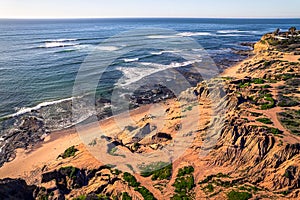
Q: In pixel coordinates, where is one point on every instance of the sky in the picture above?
(149, 8)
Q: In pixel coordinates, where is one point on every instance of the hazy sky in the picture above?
(149, 8)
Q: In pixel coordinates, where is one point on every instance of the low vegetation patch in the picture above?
(209, 188)
(290, 119)
(286, 101)
(244, 85)
(272, 130)
(270, 104)
(255, 114)
(266, 86)
(69, 171)
(125, 196)
(185, 171)
(69, 152)
(264, 120)
(113, 152)
(211, 177)
(234, 195)
(131, 181)
(258, 81)
(147, 195)
(158, 171)
(249, 188)
(184, 184)
(81, 197)
(284, 77)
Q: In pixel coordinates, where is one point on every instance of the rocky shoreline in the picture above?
(256, 155)
(28, 129)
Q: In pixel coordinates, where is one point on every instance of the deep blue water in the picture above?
(39, 59)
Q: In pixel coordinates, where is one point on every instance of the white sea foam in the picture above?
(162, 52)
(157, 53)
(228, 31)
(58, 44)
(133, 74)
(233, 35)
(107, 48)
(161, 36)
(239, 31)
(190, 34)
(39, 106)
(183, 34)
(131, 59)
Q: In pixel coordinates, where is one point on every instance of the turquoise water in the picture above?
(40, 58)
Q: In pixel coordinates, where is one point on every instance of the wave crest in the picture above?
(39, 106)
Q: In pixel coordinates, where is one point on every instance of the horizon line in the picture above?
(133, 17)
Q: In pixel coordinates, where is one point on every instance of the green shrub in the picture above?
(130, 179)
(264, 120)
(275, 131)
(269, 105)
(130, 167)
(249, 188)
(286, 101)
(255, 114)
(207, 179)
(234, 195)
(184, 184)
(221, 175)
(243, 85)
(189, 108)
(285, 192)
(267, 63)
(225, 184)
(209, 188)
(69, 152)
(125, 196)
(145, 193)
(266, 86)
(164, 173)
(99, 197)
(113, 151)
(158, 171)
(243, 188)
(69, 171)
(290, 120)
(258, 81)
(185, 171)
(81, 197)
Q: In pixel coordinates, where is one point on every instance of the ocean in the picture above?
(40, 58)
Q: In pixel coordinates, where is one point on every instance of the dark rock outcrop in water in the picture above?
(30, 130)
